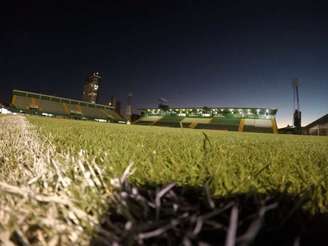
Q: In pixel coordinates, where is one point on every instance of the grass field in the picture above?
(57, 175)
(233, 162)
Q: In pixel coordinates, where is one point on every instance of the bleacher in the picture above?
(29, 102)
(228, 123)
(192, 122)
(51, 107)
(216, 118)
(148, 120)
(260, 125)
(169, 121)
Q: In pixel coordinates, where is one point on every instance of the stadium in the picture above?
(215, 118)
(90, 158)
(46, 105)
(155, 123)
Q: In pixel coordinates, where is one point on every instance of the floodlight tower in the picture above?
(129, 107)
(297, 111)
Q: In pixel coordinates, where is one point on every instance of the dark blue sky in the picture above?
(194, 53)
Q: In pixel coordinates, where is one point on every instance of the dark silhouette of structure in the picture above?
(112, 101)
(129, 107)
(116, 104)
(297, 112)
(163, 104)
(318, 127)
(118, 107)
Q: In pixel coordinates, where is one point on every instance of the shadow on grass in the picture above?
(170, 215)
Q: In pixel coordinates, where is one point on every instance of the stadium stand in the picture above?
(216, 118)
(52, 107)
(169, 121)
(318, 127)
(190, 122)
(149, 120)
(35, 103)
(254, 125)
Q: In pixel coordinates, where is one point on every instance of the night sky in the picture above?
(193, 53)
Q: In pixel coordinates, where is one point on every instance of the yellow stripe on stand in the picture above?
(65, 108)
(13, 100)
(154, 122)
(274, 126)
(193, 124)
(35, 103)
(78, 108)
(241, 125)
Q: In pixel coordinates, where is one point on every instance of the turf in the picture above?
(230, 162)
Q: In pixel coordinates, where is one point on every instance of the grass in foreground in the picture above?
(56, 184)
(230, 162)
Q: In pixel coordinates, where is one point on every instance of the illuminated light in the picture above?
(101, 120)
(231, 110)
(44, 114)
(267, 110)
(257, 110)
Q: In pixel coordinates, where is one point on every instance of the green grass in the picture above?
(231, 162)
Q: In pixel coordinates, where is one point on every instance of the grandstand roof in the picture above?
(62, 99)
(320, 121)
(272, 111)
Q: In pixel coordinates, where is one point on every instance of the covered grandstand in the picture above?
(35, 103)
(216, 118)
(318, 127)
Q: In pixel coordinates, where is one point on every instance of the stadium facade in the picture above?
(318, 127)
(216, 118)
(40, 104)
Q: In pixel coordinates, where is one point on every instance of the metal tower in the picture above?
(129, 107)
(297, 112)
